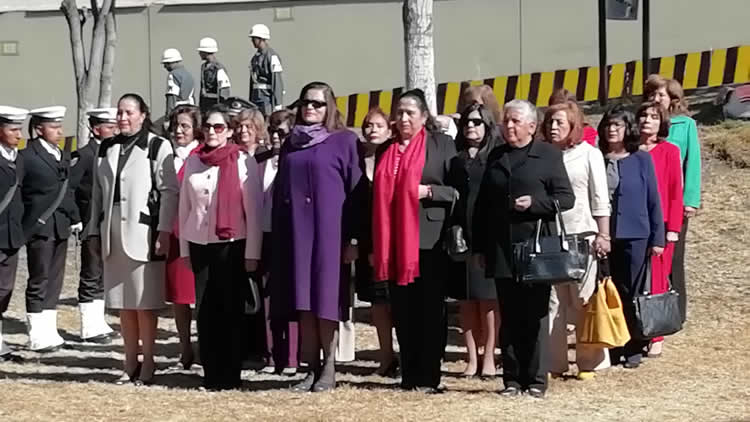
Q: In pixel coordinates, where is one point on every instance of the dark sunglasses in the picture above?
(283, 133)
(218, 127)
(315, 103)
(475, 122)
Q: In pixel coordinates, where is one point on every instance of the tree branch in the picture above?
(70, 10)
(105, 82)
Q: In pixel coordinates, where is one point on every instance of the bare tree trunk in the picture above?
(419, 49)
(93, 79)
(105, 82)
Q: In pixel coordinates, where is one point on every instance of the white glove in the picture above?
(278, 107)
(76, 228)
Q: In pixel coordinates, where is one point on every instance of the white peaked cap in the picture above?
(52, 113)
(106, 114)
(10, 114)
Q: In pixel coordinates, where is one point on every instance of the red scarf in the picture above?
(396, 212)
(229, 194)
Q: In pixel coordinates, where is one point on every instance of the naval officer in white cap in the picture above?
(11, 208)
(50, 215)
(94, 328)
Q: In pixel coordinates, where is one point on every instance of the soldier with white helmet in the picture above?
(11, 208)
(180, 85)
(94, 328)
(214, 78)
(266, 82)
(50, 215)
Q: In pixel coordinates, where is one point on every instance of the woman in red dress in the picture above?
(184, 125)
(654, 127)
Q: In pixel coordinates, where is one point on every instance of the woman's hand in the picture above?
(251, 265)
(350, 254)
(602, 246)
(657, 250)
(162, 244)
(425, 191)
(522, 203)
(690, 212)
(673, 236)
(479, 260)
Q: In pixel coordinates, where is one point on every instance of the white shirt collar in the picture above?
(9, 154)
(182, 151)
(55, 151)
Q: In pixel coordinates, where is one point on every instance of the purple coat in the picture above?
(310, 225)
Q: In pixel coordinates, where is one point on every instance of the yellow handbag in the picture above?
(604, 322)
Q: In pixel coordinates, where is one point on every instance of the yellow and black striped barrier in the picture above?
(61, 144)
(694, 70)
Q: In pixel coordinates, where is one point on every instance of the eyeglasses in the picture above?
(185, 126)
(315, 103)
(217, 127)
(475, 122)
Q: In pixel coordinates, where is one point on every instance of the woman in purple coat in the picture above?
(312, 232)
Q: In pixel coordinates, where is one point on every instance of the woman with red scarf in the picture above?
(223, 243)
(411, 204)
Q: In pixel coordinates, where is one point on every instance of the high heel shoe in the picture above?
(306, 385)
(126, 378)
(146, 380)
(388, 371)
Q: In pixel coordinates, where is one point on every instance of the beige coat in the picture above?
(135, 185)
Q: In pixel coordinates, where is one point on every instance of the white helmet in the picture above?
(171, 55)
(260, 31)
(208, 45)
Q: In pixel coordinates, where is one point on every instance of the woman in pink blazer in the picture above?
(223, 243)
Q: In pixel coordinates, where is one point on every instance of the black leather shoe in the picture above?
(510, 392)
(536, 393)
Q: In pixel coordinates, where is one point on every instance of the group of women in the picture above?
(293, 204)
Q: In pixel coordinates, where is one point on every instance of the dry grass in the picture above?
(704, 374)
(730, 141)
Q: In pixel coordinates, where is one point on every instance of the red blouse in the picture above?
(666, 158)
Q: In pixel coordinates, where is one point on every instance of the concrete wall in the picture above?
(357, 45)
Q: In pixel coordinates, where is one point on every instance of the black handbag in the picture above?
(658, 314)
(253, 299)
(454, 242)
(552, 259)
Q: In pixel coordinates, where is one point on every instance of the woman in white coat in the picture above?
(135, 203)
(563, 127)
(221, 231)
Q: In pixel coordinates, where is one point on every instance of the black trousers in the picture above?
(90, 284)
(679, 282)
(524, 332)
(627, 263)
(221, 267)
(419, 317)
(8, 267)
(46, 259)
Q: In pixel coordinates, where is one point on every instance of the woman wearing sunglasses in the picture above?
(223, 243)
(477, 295)
(312, 233)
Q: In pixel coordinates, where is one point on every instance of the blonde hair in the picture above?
(256, 119)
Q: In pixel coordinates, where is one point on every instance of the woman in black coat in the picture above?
(478, 135)
(523, 179)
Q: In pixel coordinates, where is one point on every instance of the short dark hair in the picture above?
(220, 109)
(632, 138)
(195, 115)
(663, 117)
(418, 96)
(332, 120)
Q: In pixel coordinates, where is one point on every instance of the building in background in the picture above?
(356, 46)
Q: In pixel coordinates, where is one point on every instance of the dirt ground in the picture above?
(703, 375)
